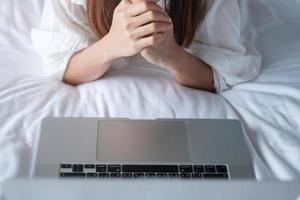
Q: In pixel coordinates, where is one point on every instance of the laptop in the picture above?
(149, 189)
(100, 148)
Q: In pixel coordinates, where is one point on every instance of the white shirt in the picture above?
(64, 30)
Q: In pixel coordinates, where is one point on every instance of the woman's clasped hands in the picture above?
(142, 26)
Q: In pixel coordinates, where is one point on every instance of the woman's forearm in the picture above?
(89, 64)
(132, 30)
(190, 71)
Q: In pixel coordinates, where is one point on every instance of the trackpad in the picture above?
(142, 141)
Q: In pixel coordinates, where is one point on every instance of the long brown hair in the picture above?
(185, 14)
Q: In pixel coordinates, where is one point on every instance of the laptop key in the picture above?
(197, 176)
(150, 175)
(215, 176)
(77, 168)
(101, 168)
(103, 175)
(72, 175)
(114, 168)
(221, 168)
(199, 169)
(89, 166)
(127, 175)
(186, 168)
(162, 175)
(173, 175)
(210, 169)
(150, 168)
(139, 175)
(185, 175)
(115, 175)
(66, 166)
(91, 175)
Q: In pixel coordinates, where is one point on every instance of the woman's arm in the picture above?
(89, 64)
(219, 58)
(132, 30)
(189, 70)
(186, 69)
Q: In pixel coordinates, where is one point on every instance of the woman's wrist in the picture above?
(189, 70)
(107, 47)
(174, 59)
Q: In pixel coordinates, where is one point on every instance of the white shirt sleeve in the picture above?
(218, 43)
(64, 30)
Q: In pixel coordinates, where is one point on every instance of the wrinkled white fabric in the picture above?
(65, 30)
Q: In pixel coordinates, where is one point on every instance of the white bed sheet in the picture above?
(269, 107)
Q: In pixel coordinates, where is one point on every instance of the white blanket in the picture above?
(269, 107)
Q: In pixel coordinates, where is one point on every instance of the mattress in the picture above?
(268, 107)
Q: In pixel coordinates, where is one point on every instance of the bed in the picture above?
(268, 107)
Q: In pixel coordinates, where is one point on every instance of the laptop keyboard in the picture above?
(144, 171)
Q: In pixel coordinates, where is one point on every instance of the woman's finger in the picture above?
(151, 29)
(140, 8)
(150, 40)
(124, 4)
(151, 16)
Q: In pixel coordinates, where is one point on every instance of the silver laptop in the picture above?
(125, 149)
(150, 189)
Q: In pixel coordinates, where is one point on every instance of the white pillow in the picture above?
(19, 16)
(274, 27)
(17, 57)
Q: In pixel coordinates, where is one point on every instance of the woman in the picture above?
(197, 41)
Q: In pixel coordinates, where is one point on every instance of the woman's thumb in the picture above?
(124, 4)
